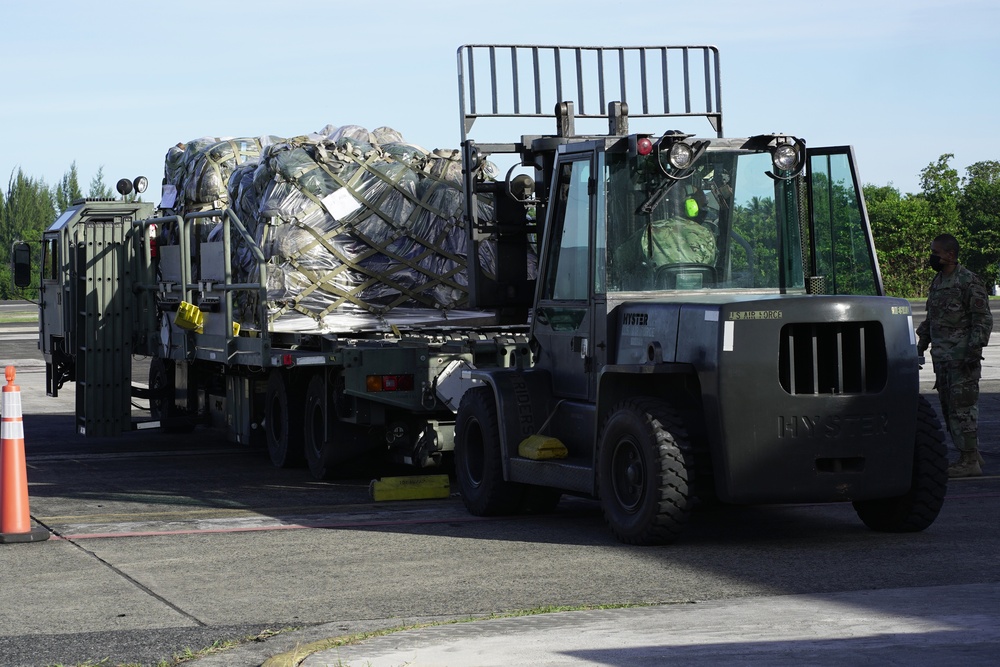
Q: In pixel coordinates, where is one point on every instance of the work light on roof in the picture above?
(680, 156)
(785, 157)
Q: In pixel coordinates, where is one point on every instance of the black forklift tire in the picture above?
(642, 474)
(916, 509)
(478, 465)
(162, 407)
(283, 420)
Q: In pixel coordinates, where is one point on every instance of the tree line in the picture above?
(903, 225)
(27, 208)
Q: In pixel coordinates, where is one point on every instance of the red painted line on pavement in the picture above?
(253, 529)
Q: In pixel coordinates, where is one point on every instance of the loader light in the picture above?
(785, 157)
(680, 156)
(376, 383)
(644, 146)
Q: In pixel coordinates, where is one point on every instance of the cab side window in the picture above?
(567, 273)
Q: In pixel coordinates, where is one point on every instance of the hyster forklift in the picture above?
(708, 324)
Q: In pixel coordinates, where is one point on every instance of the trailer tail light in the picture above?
(389, 383)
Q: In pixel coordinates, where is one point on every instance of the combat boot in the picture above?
(966, 466)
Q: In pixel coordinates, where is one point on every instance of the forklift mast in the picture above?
(504, 84)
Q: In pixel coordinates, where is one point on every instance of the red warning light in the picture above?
(644, 146)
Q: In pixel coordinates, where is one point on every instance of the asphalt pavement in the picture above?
(96, 588)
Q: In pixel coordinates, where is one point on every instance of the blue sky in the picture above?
(113, 85)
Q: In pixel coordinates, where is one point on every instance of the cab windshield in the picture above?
(728, 225)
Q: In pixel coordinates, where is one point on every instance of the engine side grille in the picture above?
(832, 358)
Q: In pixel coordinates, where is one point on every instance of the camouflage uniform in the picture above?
(957, 327)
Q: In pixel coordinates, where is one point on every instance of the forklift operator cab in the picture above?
(674, 252)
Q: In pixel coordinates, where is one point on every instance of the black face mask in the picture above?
(936, 262)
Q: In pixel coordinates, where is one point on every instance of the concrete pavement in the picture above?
(914, 626)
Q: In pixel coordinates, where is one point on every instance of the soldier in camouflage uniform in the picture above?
(957, 326)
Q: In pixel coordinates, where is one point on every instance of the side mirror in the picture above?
(20, 258)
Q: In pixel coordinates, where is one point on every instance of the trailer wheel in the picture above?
(283, 419)
(327, 440)
(161, 402)
(316, 429)
(916, 509)
(642, 472)
(478, 465)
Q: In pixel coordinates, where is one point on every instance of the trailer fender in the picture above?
(524, 401)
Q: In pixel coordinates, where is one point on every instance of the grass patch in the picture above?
(296, 656)
(18, 317)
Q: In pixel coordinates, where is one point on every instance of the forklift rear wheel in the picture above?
(916, 509)
(643, 472)
(283, 419)
(478, 465)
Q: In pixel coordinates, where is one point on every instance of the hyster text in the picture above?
(833, 427)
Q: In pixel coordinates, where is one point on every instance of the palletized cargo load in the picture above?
(361, 230)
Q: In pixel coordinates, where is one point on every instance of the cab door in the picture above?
(563, 321)
(843, 251)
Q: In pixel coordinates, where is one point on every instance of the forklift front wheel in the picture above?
(643, 474)
(478, 464)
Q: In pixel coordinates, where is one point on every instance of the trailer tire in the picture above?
(643, 469)
(327, 440)
(316, 429)
(916, 509)
(283, 419)
(478, 463)
(161, 402)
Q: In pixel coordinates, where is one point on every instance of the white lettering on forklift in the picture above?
(728, 329)
(756, 315)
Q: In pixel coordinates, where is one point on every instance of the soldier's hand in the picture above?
(972, 361)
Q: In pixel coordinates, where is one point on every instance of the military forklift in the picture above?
(708, 322)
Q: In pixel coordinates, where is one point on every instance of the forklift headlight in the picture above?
(785, 157)
(680, 156)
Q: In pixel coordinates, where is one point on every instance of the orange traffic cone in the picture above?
(15, 520)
